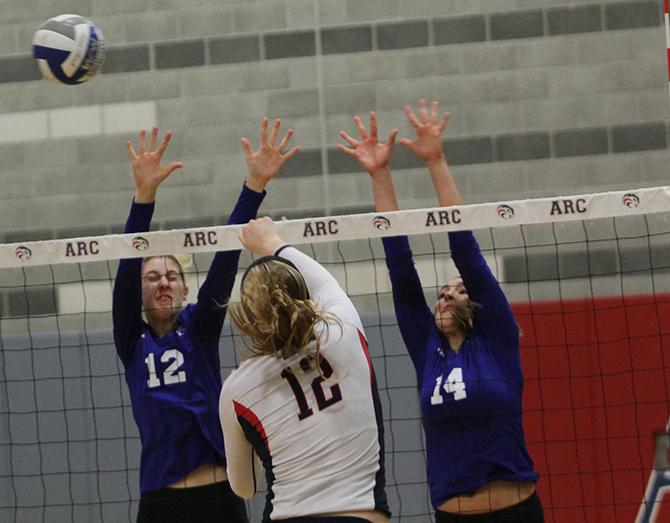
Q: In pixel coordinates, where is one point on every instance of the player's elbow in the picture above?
(243, 489)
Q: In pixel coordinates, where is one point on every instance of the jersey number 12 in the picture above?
(171, 374)
(304, 410)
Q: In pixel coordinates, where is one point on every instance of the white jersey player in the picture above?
(306, 402)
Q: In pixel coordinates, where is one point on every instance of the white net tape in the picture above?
(348, 227)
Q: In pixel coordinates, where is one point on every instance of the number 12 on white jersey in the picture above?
(454, 384)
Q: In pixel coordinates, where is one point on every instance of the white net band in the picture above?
(348, 227)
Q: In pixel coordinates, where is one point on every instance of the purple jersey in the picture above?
(175, 381)
(470, 399)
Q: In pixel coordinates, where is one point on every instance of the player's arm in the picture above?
(260, 236)
(477, 276)
(242, 466)
(493, 312)
(263, 165)
(127, 293)
(414, 317)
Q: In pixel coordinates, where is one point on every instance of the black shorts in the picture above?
(528, 511)
(325, 519)
(215, 502)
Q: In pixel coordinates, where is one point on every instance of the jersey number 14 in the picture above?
(454, 384)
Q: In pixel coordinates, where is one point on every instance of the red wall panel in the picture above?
(597, 389)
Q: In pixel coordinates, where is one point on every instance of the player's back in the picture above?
(318, 433)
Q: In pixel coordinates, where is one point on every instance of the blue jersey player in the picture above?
(171, 353)
(465, 350)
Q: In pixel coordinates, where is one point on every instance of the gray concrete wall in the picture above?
(548, 97)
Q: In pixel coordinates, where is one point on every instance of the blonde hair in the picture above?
(275, 311)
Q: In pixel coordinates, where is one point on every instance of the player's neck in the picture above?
(161, 326)
(455, 339)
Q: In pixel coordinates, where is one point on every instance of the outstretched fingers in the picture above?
(392, 137)
(164, 143)
(274, 132)
(444, 121)
(143, 134)
(264, 130)
(347, 150)
(373, 124)
(154, 139)
(285, 156)
(172, 167)
(423, 111)
(285, 140)
(349, 139)
(131, 150)
(361, 128)
(434, 106)
(412, 117)
(246, 144)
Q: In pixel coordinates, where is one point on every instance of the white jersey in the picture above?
(318, 436)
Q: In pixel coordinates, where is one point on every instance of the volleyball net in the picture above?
(588, 277)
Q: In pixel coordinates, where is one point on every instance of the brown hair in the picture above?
(465, 316)
(275, 311)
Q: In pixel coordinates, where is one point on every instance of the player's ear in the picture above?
(185, 291)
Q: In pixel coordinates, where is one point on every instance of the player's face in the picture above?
(163, 288)
(452, 298)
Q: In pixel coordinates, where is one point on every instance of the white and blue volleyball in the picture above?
(69, 49)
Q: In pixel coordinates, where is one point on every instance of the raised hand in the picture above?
(372, 154)
(428, 142)
(265, 162)
(260, 236)
(147, 171)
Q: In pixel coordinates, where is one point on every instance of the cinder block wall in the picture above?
(548, 97)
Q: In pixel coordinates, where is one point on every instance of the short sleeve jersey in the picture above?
(319, 435)
(174, 380)
(470, 399)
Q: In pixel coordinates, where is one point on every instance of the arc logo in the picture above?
(200, 238)
(443, 217)
(82, 248)
(320, 228)
(505, 211)
(23, 253)
(381, 222)
(631, 200)
(140, 243)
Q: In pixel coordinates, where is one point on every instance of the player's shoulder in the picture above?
(247, 369)
(186, 314)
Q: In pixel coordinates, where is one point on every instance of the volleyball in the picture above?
(69, 49)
